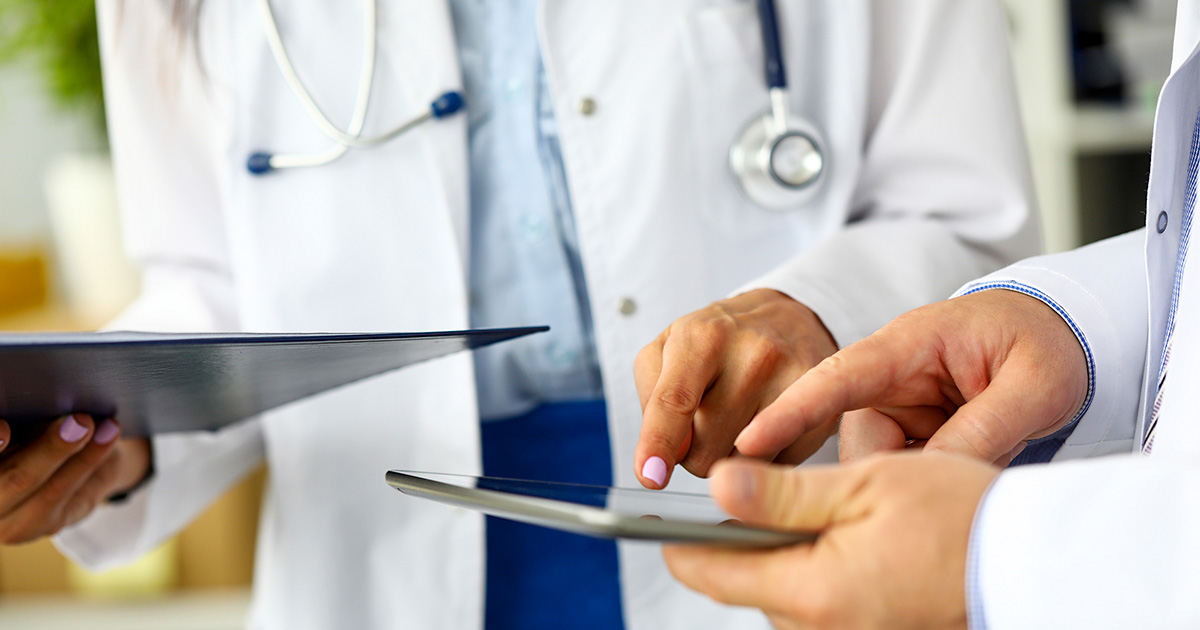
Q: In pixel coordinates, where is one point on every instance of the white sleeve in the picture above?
(945, 193)
(165, 133)
(1104, 543)
(1101, 291)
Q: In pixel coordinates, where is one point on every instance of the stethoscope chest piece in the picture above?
(779, 169)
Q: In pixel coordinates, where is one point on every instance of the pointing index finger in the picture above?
(689, 366)
(859, 376)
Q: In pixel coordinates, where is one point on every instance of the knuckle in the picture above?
(765, 349)
(659, 444)
(831, 365)
(986, 435)
(763, 356)
(17, 482)
(54, 489)
(678, 399)
(710, 333)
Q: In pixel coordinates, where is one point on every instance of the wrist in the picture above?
(795, 317)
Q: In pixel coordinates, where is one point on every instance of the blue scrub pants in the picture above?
(540, 578)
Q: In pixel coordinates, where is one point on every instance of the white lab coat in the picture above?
(928, 188)
(1111, 543)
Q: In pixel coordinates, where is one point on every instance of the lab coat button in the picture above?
(587, 106)
(627, 306)
(1162, 222)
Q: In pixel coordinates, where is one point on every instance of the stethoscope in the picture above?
(261, 163)
(778, 159)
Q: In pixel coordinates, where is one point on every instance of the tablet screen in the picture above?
(635, 502)
(631, 513)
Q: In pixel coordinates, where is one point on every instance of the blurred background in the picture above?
(62, 268)
(1089, 72)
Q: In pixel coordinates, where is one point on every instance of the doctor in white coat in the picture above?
(1100, 345)
(926, 187)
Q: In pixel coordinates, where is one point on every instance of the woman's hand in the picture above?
(977, 375)
(63, 474)
(710, 372)
(891, 553)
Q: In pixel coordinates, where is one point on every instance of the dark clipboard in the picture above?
(159, 383)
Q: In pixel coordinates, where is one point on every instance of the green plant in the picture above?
(60, 37)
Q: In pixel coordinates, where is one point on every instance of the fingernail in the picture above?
(655, 469)
(71, 430)
(1020, 447)
(106, 433)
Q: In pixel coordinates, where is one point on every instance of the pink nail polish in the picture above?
(106, 433)
(655, 469)
(71, 430)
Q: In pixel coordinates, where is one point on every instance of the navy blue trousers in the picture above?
(540, 578)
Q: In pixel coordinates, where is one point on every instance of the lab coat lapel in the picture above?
(417, 37)
(1174, 124)
(1187, 31)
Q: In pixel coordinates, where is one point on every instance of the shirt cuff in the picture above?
(1089, 356)
(1099, 292)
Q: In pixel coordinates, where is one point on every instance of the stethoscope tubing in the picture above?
(366, 81)
(750, 162)
(773, 68)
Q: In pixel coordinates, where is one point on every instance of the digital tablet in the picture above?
(603, 512)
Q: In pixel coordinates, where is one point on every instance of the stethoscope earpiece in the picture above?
(259, 163)
(447, 104)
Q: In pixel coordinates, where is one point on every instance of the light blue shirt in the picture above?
(525, 264)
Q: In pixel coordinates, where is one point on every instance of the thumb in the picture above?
(868, 431)
(779, 497)
(995, 422)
